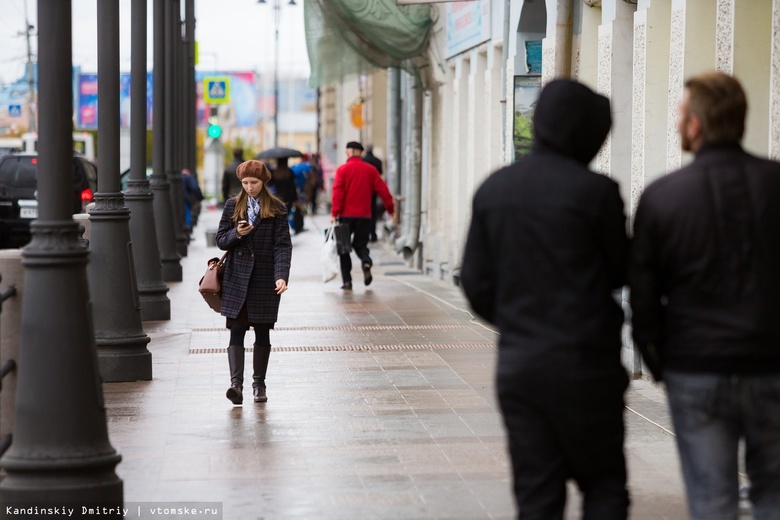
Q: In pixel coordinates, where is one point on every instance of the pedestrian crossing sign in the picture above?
(216, 89)
(14, 110)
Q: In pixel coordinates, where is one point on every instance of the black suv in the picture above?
(18, 190)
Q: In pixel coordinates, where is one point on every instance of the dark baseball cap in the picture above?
(354, 145)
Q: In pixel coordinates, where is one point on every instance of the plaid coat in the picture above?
(253, 265)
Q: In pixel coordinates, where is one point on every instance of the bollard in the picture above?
(211, 238)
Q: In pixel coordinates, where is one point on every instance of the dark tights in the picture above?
(262, 335)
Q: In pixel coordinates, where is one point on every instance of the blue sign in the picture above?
(14, 110)
(216, 89)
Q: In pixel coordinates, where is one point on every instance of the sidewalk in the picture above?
(380, 406)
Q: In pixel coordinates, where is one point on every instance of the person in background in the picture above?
(376, 211)
(301, 171)
(546, 249)
(705, 279)
(353, 186)
(282, 185)
(254, 229)
(193, 196)
(230, 183)
(314, 183)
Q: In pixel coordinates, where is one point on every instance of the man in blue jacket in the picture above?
(546, 249)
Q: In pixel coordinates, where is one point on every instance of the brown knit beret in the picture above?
(252, 168)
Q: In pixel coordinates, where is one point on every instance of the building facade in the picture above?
(444, 130)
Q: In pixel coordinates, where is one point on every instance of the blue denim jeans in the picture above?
(711, 413)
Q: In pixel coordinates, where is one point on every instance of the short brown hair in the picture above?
(719, 101)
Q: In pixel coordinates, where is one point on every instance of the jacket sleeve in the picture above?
(476, 273)
(337, 198)
(227, 237)
(282, 247)
(645, 281)
(380, 187)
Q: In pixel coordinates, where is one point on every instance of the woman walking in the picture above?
(254, 229)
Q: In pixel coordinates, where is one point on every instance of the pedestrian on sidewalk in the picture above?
(705, 279)
(353, 187)
(254, 230)
(546, 249)
(282, 185)
(231, 186)
(376, 210)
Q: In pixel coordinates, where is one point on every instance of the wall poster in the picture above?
(527, 89)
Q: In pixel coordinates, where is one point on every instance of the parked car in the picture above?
(18, 194)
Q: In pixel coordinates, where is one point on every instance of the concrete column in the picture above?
(434, 200)
(476, 165)
(588, 68)
(676, 64)
(461, 159)
(751, 32)
(445, 208)
(724, 35)
(774, 84)
(692, 50)
(639, 86)
(615, 81)
(492, 109)
(657, 98)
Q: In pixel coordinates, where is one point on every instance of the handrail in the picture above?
(8, 293)
(8, 367)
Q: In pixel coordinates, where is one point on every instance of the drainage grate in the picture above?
(352, 328)
(344, 348)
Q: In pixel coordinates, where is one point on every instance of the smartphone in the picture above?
(243, 223)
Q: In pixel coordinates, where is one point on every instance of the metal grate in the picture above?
(345, 348)
(350, 328)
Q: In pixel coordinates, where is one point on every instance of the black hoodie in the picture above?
(547, 243)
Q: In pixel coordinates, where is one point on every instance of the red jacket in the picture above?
(354, 186)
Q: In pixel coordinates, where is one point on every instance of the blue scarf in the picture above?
(253, 210)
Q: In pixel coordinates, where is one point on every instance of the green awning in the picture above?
(346, 37)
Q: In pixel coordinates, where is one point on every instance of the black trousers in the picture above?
(360, 229)
(565, 426)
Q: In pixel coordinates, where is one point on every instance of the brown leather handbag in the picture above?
(210, 286)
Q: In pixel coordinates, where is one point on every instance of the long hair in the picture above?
(270, 205)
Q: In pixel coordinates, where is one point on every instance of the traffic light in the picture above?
(214, 130)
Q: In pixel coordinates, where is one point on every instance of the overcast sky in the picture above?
(232, 35)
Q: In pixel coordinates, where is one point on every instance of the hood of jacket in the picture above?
(572, 120)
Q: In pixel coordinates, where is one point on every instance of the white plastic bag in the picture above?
(329, 257)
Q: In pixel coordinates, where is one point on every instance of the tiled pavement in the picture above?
(380, 406)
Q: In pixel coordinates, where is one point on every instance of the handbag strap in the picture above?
(222, 260)
(219, 263)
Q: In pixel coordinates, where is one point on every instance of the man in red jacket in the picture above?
(353, 187)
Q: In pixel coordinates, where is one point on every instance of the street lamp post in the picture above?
(277, 14)
(60, 452)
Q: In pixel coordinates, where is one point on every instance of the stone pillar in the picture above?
(638, 110)
(676, 64)
(774, 85)
(724, 36)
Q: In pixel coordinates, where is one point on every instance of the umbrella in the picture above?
(278, 153)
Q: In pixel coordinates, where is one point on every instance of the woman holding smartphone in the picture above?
(254, 229)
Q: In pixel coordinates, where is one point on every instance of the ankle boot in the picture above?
(260, 367)
(236, 363)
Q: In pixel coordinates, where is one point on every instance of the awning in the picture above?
(346, 37)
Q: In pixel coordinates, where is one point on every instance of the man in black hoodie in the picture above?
(705, 294)
(546, 249)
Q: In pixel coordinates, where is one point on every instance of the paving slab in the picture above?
(381, 405)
